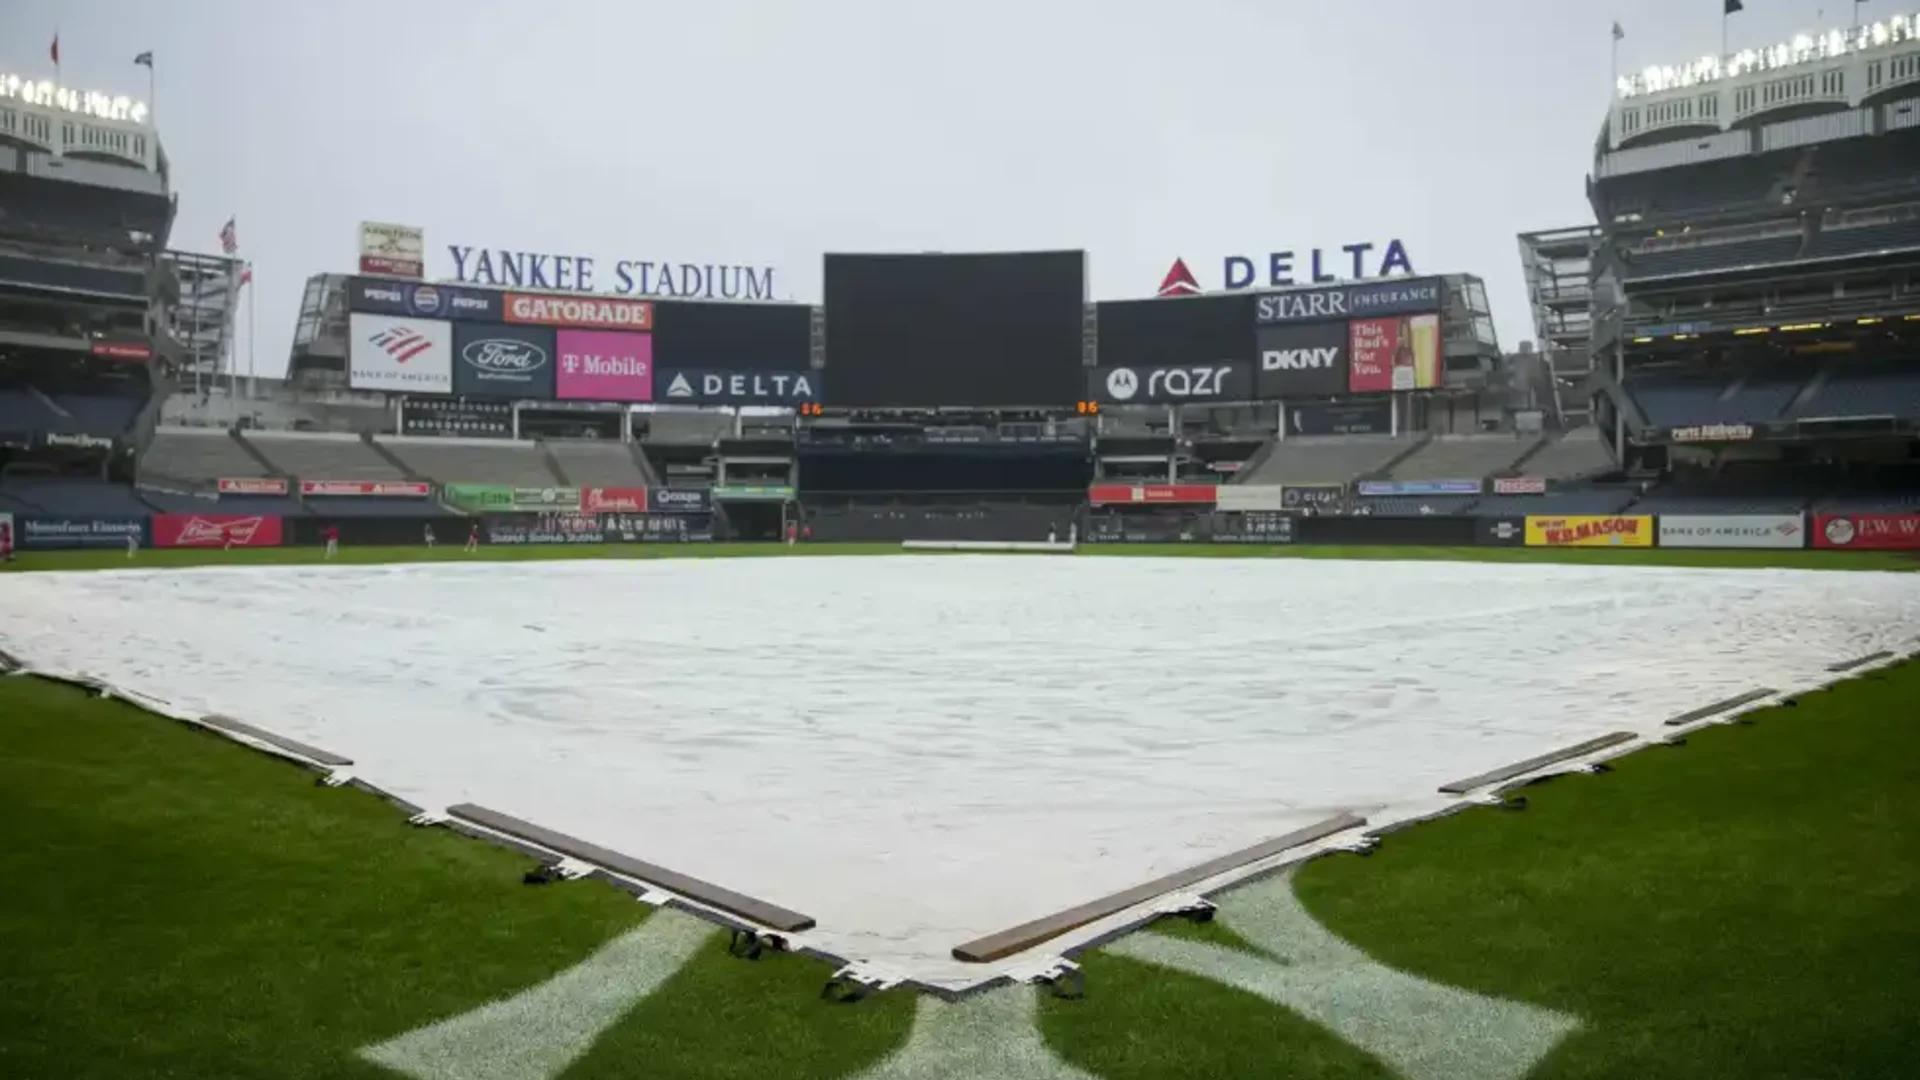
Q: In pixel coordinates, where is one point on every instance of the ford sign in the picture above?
(503, 356)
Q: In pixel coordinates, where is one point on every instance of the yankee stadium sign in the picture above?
(506, 268)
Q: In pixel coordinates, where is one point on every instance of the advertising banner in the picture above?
(1304, 360)
(1254, 527)
(1709, 433)
(613, 500)
(753, 493)
(400, 250)
(382, 297)
(1320, 498)
(1519, 485)
(493, 360)
(1153, 494)
(596, 529)
(724, 386)
(551, 498)
(1366, 416)
(47, 533)
(61, 440)
(216, 530)
(385, 352)
(594, 312)
(679, 500)
(122, 350)
(1733, 530)
(501, 499)
(1885, 532)
(1249, 497)
(600, 365)
(1341, 302)
(1149, 385)
(1590, 530)
(1394, 354)
(1418, 488)
(253, 486)
(1501, 532)
(485, 498)
(402, 489)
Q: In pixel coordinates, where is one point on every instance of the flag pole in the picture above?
(253, 379)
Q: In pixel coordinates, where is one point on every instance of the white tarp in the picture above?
(1733, 530)
(922, 750)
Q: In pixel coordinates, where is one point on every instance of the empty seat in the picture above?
(473, 461)
(316, 456)
(598, 464)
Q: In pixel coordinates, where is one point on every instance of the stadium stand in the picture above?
(1578, 453)
(351, 507)
(58, 495)
(1591, 501)
(1326, 459)
(1866, 239)
(179, 502)
(686, 427)
(456, 461)
(198, 456)
(1863, 389)
(323, 456)
(1462, 457)
(105, 415)
(599, 463)
(1712, 258)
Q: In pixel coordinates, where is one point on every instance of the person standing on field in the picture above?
(429, 536)
(332, 535)
(133, 544)
(473, 537)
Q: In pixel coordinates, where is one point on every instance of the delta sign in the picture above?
(1307, 266)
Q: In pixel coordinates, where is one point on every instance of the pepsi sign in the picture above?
(385, 296)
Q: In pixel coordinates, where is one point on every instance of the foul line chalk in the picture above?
(746, 907)
(1030, 934)
(1718, 707)
(1520, 768)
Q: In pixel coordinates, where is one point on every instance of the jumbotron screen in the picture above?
(1176, 331)
(749, 337)
(1000, 330)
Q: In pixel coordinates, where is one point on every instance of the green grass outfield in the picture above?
(116, 558)
(1743, 906)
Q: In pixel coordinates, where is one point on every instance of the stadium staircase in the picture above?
(1253, 463)
(391, 458)
(266, 464)
(1386, 469)
(646, 467)
(553, 464)
(1519, 466)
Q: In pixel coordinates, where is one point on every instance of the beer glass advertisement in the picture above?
(1401, 353)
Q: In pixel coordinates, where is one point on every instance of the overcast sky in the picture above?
(766, 132)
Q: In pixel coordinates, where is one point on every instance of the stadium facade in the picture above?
(1734, 336)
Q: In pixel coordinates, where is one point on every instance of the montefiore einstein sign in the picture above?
(510, 269)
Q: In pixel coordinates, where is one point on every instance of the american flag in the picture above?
(229, 239)
(246, 273)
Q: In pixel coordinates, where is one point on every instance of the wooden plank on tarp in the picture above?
(1521, 768)
(746, 907)
(293, 746)
(1719, 707)
(1027, 935)
(1859, 661)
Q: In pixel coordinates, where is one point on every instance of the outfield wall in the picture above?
(988, 522)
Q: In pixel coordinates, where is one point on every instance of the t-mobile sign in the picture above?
(604, 365)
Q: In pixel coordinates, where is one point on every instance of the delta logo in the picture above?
(1179, 281)
(1360, 261)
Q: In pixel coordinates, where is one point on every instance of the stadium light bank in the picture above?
(49, 95)
(1803, 49)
